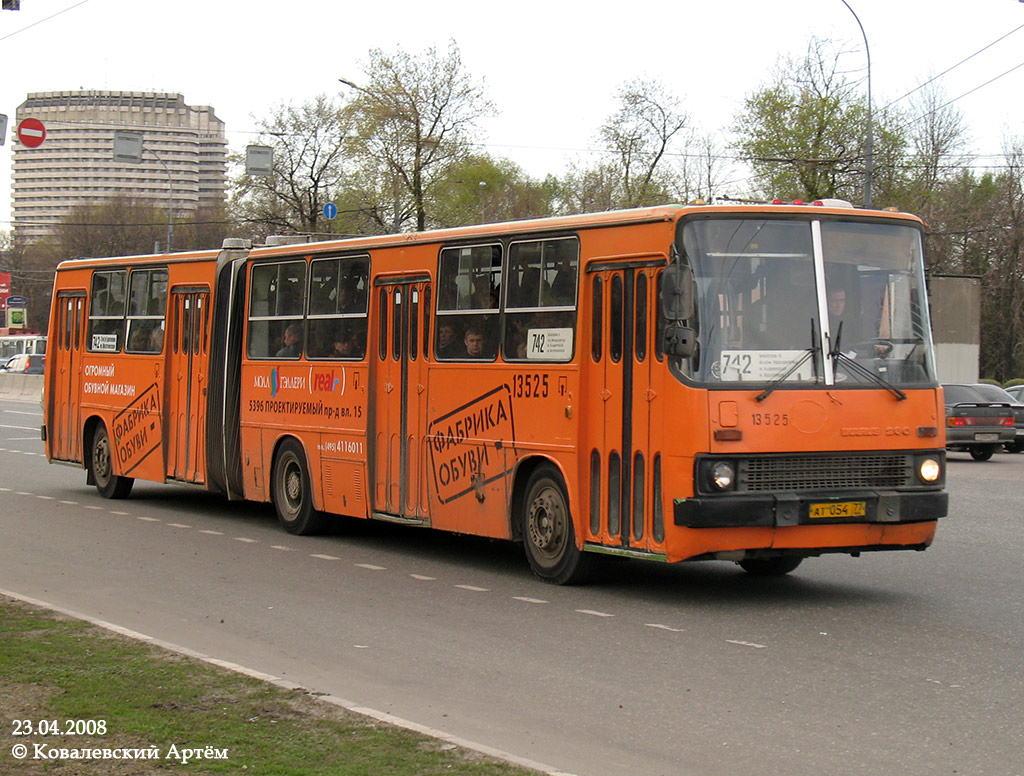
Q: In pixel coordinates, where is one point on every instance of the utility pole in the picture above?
(869, 149)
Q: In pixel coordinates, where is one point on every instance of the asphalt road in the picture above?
(904, 663)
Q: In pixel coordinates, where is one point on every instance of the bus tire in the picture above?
(770, 567)
(548, 535)
(101, 467)
(291, 492)
(982, 452)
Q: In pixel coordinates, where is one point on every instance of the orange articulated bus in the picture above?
(750, 383)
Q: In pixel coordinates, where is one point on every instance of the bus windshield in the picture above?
(807, 302)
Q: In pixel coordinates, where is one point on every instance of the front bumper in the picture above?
(760, 510)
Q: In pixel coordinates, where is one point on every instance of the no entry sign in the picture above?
(31, 133)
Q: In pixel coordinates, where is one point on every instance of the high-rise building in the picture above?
(183, 165)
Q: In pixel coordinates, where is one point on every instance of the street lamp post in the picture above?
(170, 202)
(869, 150)
(128, 149)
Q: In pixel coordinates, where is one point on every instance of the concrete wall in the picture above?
(21, 387)
(956, 326)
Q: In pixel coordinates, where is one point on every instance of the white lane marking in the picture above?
(122, 514)
(178, 525)
(473, 588)
(148, 519)
(370, 567)
(47, 498)
(530, 600)
(659, 626)
(246, 540)
(423, 578)
(212, 533)
(594, 613)
(71, 503)
(325, 557)
(747, 644)
(281, 547)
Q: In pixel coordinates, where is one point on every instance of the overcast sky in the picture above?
(551, 68)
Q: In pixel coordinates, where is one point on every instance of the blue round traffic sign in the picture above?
(330, 210)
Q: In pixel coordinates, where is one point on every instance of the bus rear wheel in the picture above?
(291, 492)
(770, 567)
(548, 535)
(101, 467)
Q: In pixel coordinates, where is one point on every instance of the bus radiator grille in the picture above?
(826, 472)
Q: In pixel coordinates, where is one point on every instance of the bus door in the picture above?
(188, 344)
(398, 397)
(623, 393)
(65, 356)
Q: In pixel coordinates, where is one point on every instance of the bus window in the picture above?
(338, 296)
(276, 304)
(106, 312)
(147, 305)
(467, 301)
(540, 300)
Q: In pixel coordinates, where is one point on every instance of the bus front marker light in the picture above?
(722, 475)
(929, 469)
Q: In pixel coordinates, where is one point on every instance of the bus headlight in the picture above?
(929, 469)
(722, 475)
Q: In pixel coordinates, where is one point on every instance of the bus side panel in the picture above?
(320, 404)
(340, 478)
(483, 420)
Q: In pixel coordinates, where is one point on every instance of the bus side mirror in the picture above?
(677, 292)
(679, 341)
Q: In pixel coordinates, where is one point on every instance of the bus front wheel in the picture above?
(548, 534)
(101, 467)
(292, 492)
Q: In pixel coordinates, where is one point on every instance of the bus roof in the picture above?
(161, 258)
(654, 214)
(573, 222)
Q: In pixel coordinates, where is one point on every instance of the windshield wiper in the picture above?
(811, 352)
(839, 357)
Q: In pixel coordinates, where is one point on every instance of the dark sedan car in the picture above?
(997, 394)
(975, 424)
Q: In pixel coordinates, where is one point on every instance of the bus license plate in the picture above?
(839, 509)
(986, 437)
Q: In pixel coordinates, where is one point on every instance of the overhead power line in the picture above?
(954, 67)
(51, 16)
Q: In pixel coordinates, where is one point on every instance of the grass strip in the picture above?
(58, 674)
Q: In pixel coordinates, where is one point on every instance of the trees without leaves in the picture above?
(310, 145)
(415, 117)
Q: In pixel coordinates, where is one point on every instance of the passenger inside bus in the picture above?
(141, 341)
(474, 341)
(292, 347)
(343, 347)
(447, 340)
